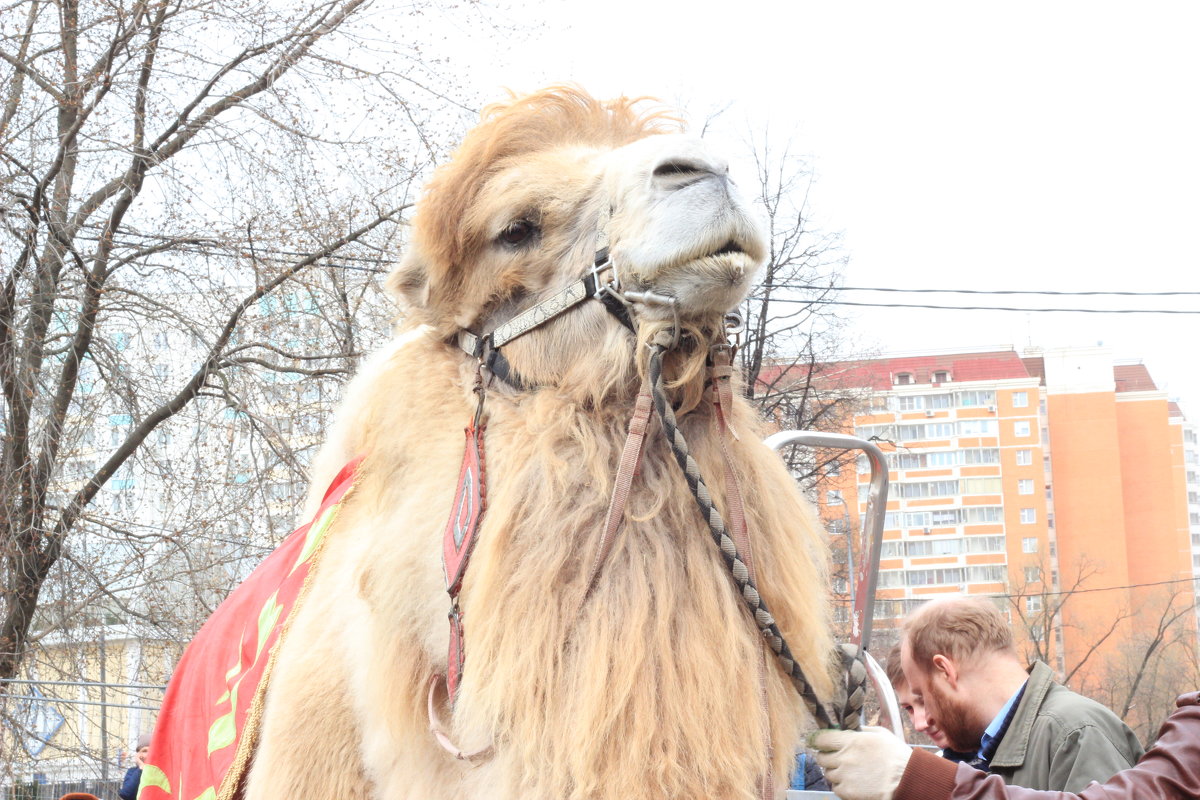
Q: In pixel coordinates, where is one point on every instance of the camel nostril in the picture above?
(672, 169)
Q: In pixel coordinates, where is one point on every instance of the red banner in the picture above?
(207, 727)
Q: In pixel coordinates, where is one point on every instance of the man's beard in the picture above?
(954, 720)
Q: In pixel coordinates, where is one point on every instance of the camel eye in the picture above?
(517, 233)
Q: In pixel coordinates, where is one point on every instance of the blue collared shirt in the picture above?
(993, 729)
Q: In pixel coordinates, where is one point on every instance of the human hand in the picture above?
(141, 757)
(861, 765)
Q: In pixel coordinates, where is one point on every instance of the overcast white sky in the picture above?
(1028, 146)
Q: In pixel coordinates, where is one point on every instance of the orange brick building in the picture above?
(1054, 480)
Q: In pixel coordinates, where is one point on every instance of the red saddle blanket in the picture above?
(208, 725)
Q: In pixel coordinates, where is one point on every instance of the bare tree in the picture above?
(1149, 671)
(164, 181)
(1135, 662)
(1039, 600)
(793, 339)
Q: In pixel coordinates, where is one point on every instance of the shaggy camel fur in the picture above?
(649, 685)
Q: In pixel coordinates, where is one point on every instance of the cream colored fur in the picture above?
(648, 687)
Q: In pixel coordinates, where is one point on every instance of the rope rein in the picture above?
(725, 544)
(855, 687)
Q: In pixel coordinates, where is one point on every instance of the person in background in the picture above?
(872, 764)
(807, 775)
(133, 775)
(967, 679)
(907, 703)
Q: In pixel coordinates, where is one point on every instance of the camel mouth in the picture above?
(702, 285)
(728, 248)
(731, 255)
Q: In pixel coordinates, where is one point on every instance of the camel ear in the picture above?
(409, 282)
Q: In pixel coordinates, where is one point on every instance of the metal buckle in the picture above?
(735, 324)
(613, 287)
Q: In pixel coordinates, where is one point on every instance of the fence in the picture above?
(55, 745)
(105, 790)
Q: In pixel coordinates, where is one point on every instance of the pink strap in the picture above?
(439, 732)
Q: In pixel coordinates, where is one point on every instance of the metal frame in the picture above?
(863, 610)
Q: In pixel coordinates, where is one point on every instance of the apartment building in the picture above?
(1056, 481)
(1191, 462)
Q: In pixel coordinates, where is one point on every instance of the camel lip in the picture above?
(729, 247)
(732, 251)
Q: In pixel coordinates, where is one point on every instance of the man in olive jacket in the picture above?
(872, 764)
(960, 661)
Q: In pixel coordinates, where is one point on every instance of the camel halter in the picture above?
(460, 531)
(486, 347)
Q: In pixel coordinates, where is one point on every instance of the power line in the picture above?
(986, 308)
(1102, 588)
(982, 291)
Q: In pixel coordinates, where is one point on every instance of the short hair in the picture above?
(960, 627)
(895, 672)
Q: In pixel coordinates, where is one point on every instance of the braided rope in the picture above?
(854, 686)
(725, 544)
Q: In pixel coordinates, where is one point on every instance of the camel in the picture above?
(641, 679)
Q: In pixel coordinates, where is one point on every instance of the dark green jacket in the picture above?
(1062, 741)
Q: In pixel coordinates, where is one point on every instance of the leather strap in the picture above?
(722, 372)
(631, 457)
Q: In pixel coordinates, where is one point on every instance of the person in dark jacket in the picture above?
(807, 775)
(133, 776)
(872, 764)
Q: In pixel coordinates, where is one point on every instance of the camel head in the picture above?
(532, 193)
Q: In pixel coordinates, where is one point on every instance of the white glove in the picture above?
(861, 765)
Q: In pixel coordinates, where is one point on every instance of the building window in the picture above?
(904, 378)
(977, 398)
(1025, 486)
(981, 486)
(1024, 458)
(911, 402)
(985, 544)
(1033, 604)
(981, 455)
(934, 577)
(1029, 544)
(889, 579)
(939, 401)
(977, 427)
(1028, 516)
(1021, 428)
(1033, 575)
(1020, 399)
(990, 573)
(941, 377)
